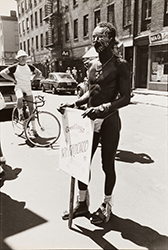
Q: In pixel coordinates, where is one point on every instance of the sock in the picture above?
(82, 195)
(20, 112)
(108, 199)
(33, 125)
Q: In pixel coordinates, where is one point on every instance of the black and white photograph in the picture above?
(83, 124)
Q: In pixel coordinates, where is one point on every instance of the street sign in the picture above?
(76, 144)
(65, 53)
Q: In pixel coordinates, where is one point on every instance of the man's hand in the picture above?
(92, 113)
(62, 107)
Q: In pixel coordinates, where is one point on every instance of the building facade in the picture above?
(9, 40)
(142, 28)
(151, 44)
(34, 32)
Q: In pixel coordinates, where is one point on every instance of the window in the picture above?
(36, 42)
(35, 3)
(32, 44)
(30, 4)
(28, 47)
(19, 10)
(41, 16)
(75, 3)
(20, 45)
(159, 65)
(110, 14)
(45, 10)
(22, 7)
(46, 37)
(97, 17)
(146, 14)
(23, 26)
(41, 41)
(76, 29)
(31, 21)
(67, 32)
(27, 24)
(146, 9)
(166, 13)
(36, 18)
(85, 25)
(19, 28)
(24, 46)
(25, 4)
(126, 12)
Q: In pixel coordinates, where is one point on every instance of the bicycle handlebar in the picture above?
(41, 100)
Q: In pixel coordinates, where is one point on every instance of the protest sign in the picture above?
(76, 144)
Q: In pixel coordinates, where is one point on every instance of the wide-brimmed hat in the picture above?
(21, 53)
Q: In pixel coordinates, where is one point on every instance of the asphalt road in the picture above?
(33, 203)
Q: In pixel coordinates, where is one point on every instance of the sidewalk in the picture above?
(150, 97)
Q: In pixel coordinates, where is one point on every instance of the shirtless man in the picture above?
(109, 90)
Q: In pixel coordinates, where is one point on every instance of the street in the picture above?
(32, 204)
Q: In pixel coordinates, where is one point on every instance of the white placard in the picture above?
(76, 144)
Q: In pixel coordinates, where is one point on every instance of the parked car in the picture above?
(59, 82)
(82, 87)
(35, 83)
(7, 90)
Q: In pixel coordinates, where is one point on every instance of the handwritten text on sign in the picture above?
(76, 144)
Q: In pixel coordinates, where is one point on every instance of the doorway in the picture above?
(142, 66)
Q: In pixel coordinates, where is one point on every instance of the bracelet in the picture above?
(75, 106)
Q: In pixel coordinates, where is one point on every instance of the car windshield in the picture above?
(1, 78)
(65, 76)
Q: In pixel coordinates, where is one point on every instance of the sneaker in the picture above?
(81, 209)
(33, 133)
(102, 214)
(21, 117)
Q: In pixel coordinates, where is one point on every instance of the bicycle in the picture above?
(47, 125)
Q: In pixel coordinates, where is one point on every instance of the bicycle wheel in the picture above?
(47, 129)
(18, 125)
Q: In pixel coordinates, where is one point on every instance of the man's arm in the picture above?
(37, 73)
(5, 74)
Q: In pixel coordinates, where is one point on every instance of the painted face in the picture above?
(100, 38)
(22, 59)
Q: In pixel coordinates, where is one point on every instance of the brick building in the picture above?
(142, 27)
(9, 40)
(33, 31)
(151, 44)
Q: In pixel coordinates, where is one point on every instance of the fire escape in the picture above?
(54, 19)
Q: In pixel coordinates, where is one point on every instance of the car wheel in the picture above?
(54, 91)
(43, 88)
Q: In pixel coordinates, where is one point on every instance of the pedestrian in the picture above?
(68, 70)
(109, 90)
(20, 73)
(74, 73)
(80, 76)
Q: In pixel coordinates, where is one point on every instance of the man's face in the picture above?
(22, 59)
(100, 38)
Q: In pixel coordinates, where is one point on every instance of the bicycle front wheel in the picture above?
(18, 125)
(42, 129)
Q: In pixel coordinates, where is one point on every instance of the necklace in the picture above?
(100, 71)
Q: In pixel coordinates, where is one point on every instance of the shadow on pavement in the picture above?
(130, 230)
(128, 156)
(15, 218)
(5, 115)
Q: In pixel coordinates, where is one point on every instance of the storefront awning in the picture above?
(158, 39)
(91, 53)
